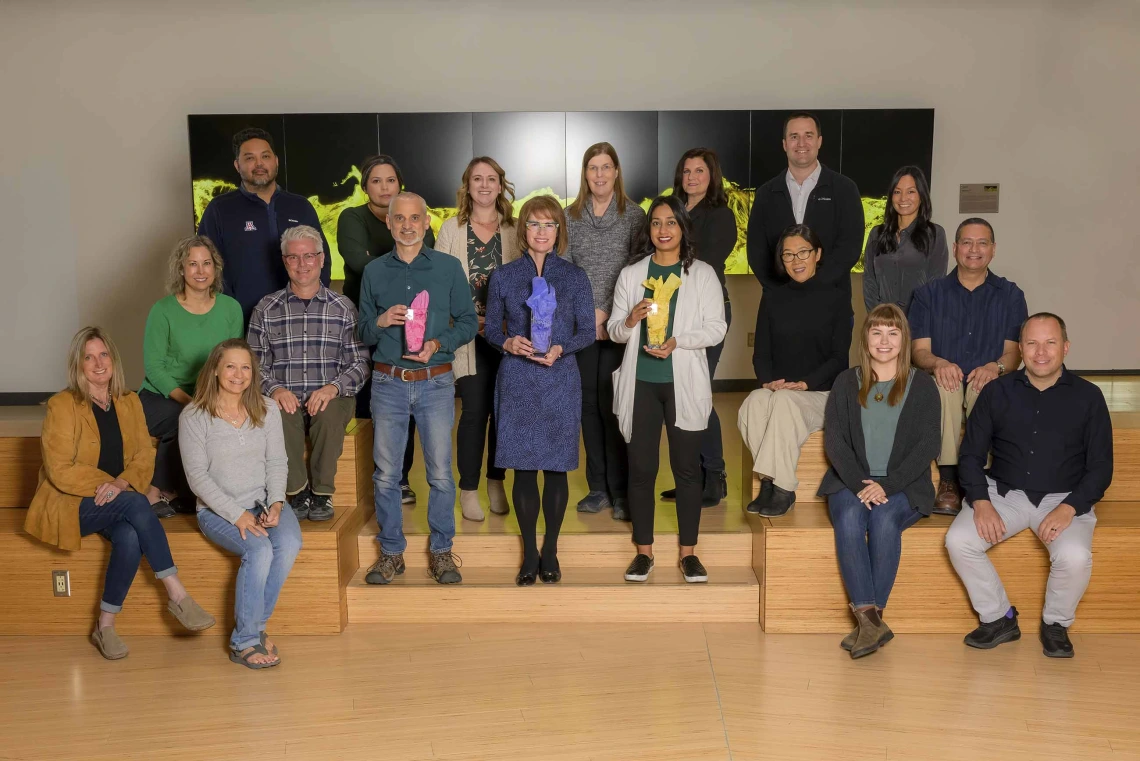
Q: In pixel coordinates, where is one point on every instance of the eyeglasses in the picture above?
(802, 254)
(542, 226)
(292, 259)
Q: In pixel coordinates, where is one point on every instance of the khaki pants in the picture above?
(775, 424)
(953, 403)
(326, 432)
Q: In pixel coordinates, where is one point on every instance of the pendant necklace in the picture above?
(237, 423)
(879, 396)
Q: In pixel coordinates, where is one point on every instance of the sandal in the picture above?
(264, 637)
(244, 660)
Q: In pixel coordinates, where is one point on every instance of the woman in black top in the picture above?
(699, 183)
(907, 250)
(803, 336)
(882, 430)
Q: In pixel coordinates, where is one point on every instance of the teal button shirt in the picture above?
(451, 320)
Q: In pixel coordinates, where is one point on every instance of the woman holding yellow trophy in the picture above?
(668, 307)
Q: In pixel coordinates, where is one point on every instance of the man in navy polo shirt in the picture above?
(246, 224)
(965, 330)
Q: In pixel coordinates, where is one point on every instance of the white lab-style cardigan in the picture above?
(698, 324)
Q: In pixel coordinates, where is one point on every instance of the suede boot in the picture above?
(873, 632)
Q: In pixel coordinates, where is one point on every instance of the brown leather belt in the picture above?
(406, 375)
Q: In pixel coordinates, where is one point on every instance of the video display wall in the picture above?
(541, 152)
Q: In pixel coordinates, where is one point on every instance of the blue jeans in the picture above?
(265, 564)
(132, 528)
(869, 544)
(432, 403)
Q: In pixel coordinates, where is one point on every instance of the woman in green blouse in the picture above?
(181, 330)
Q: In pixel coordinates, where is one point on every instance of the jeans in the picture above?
(868, 544)
(133, 530)
(432, 403)
(606, 465)
(265, 564)
(712, 447)
(364, 410)
(162, 422)
(473, 436)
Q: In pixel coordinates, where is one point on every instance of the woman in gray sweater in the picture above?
(881, 430)
(603, 225)
(233, 452)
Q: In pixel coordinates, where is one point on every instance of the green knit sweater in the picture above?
(177, 343)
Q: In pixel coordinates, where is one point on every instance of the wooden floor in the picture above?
(618, 692)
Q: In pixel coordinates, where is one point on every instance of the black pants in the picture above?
(473, 436)
(606, 466)
(555, 495)
(712, 448)
(161, 416)
(364, 412)
(653, 405)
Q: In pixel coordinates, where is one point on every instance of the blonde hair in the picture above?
(206, 394)
(504, 204)
(76, 382)
(546, 206)
(595, 150)
(176, 277)
(889, 316)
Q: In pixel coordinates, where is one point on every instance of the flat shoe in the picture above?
(190, 614)
(110, 645)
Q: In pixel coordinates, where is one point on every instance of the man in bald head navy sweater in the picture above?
(246, 224)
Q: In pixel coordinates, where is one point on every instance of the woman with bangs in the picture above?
(482, 237)
(538, 395)
(233, 450)
(882, 431)
(603, 225)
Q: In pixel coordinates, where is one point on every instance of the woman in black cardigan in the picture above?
(882, 430)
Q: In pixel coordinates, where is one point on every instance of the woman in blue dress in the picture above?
(538, 397)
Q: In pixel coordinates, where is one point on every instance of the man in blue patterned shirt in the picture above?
(312, 364)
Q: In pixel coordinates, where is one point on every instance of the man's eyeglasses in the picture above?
(293, 259)
(802, 254)
(541, 226)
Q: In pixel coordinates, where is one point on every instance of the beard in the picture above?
(259, 181)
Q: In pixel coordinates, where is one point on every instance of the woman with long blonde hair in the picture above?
(482, 237)
(233, 450)
(97, 466)
(881, 432)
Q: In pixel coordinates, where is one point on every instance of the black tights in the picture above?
(555, 495)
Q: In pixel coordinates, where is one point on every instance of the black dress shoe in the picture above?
(550, 572)
(713, 493)
(1055, 641)
(163, 508)
(527, 576)
(763, 498)
(994, 633)
(621, 509)
(669, 495)
(779, 504)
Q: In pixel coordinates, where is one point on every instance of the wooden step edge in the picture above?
(503, 577)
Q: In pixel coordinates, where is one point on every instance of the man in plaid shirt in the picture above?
(312, 364)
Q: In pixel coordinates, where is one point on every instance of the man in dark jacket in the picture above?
(811, 194)
(246, 224)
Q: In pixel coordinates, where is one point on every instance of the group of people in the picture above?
(600, 321)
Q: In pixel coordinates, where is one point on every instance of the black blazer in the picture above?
(834, 213)
(918, 439)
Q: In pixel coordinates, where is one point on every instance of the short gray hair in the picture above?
(407, 195)
(301, 232)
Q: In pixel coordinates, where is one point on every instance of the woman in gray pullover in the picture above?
(603, 225)
(233, 452)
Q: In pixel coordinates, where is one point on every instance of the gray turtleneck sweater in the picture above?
(601, 245)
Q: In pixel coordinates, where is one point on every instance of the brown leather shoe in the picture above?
(949, 499)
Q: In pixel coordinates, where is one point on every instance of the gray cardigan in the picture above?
(918, 439)
(893, 278)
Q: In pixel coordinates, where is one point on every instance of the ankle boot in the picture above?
(849, 641)
(873, 632)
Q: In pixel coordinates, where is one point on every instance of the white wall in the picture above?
(94, 175)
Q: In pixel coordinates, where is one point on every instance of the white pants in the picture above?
(1070, 555)
(775, 424)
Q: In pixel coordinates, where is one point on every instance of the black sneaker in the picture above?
(443, 567)
(407, 496)
(301, 502)
(694, 572)
(163, 508)
(779, 504)
(713, 491)
(763, 498)
(994, 633)
(639, 569)
(320, 507)
(621, 509)
(594, 502)
(385, 569)
(1055, 641)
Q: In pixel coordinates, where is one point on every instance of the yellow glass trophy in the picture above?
(657, 323)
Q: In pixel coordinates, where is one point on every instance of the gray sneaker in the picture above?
(320, 507)
(407, 496)
(385, 569)
(443, 567)
(301, 502)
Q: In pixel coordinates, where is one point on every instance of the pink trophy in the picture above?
(416, 323)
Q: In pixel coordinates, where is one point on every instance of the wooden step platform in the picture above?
(803, 590)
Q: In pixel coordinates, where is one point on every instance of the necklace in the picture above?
(104, 404)
(237, 422)
(879, 396)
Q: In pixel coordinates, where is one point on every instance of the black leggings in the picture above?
(653, 405)
(555, 495)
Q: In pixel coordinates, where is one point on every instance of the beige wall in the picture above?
(94, 176)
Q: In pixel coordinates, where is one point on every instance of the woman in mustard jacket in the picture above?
(97, 465)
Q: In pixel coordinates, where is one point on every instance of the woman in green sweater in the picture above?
(181, 330)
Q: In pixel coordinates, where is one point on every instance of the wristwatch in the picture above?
(1001, 367)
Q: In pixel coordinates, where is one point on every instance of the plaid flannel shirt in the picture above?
(303, 348)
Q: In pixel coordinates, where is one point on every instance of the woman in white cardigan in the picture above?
(482, 237)
(666, 383)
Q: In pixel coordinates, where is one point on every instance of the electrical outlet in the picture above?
(751, 339)
(61, 583)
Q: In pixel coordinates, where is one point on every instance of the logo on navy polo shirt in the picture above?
(250, 227)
